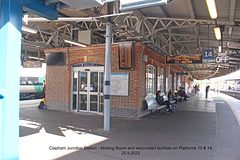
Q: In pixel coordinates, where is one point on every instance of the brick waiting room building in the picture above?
(76, 83)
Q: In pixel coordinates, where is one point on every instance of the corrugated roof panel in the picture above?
(237, 10)
(181, 11)
(201, 10)
(153, 11)
(223, 9)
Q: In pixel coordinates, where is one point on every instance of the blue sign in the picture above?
(208, 54)
(182, 73)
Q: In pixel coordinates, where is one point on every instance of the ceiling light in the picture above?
(217, 32)
(212, 8)
(30, 30)
(36, 58)
(75, 43)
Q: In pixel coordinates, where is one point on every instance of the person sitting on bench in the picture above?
(171, 101)
(183, 94)
(159, 98)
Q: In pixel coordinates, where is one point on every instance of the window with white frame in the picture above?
(178, 82)
(160, 85)
(150, 80)
(170, 78)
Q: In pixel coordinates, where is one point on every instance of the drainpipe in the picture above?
(67, 60)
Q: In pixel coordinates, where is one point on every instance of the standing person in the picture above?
(207, 90)
(170, 95)
(198, 88)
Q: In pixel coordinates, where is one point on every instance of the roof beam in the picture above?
(39, 8)
(190, 8)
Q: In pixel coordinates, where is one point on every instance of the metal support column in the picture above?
(185, 83)
(107, 77)
(170, 53)
(169, 77)
(170, 41)
(222, 30)
(10, 49)
(198, 39)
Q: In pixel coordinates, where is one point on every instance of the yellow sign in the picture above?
(183, 59)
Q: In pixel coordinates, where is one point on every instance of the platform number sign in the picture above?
(208, 54)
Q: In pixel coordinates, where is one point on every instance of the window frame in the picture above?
(150, 82)
(161, 80)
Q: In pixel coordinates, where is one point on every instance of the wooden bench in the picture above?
(152, 104)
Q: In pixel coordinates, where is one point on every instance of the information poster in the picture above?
(119, 84)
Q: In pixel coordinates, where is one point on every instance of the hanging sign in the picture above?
(208, 54)
(183, 59)
(182, 73)
(125, 55)
(222, 59)
(221, 54)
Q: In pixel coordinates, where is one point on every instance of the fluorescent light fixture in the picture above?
(138, 4)
(75, 43)
(30, 30)
(217, 32)
(36, 58)
(212, 8)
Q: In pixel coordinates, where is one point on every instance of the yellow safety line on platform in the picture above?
(232, 111)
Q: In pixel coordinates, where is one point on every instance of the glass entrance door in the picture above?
(87, 90)
(96, 91)
(82, 90)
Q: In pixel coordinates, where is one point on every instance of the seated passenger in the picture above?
(171, 104)
(159, 98)
(183, 94)
(176, 98)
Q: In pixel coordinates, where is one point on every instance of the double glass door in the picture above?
(87, 90)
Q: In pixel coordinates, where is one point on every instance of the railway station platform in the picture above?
(200, 129)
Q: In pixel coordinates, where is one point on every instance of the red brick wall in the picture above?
(58, 80)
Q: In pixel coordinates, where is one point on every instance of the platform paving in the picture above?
(200, 129)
